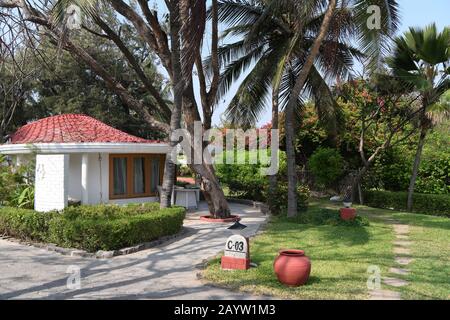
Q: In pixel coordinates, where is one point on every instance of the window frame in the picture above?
(148, 157)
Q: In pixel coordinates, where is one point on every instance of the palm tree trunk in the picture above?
(175, 118)
(273, 178)
(290, 108)
(416, 165)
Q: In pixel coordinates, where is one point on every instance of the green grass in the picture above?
(340, 256)
(430, 269)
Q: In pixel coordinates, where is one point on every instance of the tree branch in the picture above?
(160, 35)
(135, 65)
(116, 86)
(144, 31)
(110, 81)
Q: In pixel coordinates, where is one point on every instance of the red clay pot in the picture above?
(347, 213)
(292, 267)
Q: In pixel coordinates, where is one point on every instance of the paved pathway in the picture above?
(402, 258)
(166, 272)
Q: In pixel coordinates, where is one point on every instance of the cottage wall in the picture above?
(51, 182)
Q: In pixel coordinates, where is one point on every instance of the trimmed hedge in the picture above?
(92, 228)
(433, 204)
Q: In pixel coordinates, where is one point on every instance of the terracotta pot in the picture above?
(347, 213)
(292, 267)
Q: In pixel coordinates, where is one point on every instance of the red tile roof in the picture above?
(71, 128)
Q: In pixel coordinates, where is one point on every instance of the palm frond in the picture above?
(440, 111)
(238, 12)
(233, 70)
(327, 109)
(252, 96)
(249, 102)
(374, 41)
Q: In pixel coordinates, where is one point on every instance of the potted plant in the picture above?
(347, 213)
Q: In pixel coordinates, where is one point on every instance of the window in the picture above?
(120, 176)
(135, 175)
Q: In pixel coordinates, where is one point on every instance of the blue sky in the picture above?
(415, 13)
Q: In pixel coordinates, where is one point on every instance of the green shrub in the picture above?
(105, 227)
(16, 185)
(392, 172)
(243, 181)
(107, 234)
(246, 181)
(280, 200)
(324, 216)
(434, 204)
(24, 223)
(434, 175)
(327, 166)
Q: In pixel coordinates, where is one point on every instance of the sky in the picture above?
(414, 13)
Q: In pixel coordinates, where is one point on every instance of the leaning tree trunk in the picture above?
(175, 118)
(415, 170)
(214, 196)
(290, 108)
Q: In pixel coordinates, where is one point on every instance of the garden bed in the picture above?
(93, 228)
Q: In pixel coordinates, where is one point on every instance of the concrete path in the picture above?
(166, 272)
(402, 258)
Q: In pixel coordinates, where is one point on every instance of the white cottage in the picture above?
(79, 158)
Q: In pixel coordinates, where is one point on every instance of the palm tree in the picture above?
(296, 46)
(278, 55)
(421, 59)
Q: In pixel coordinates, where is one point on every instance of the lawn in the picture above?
(341, 255)
(430, 270)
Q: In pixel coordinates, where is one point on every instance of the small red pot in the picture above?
(292, 267)
(347, 213)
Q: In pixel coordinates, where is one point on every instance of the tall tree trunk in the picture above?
(273, 178)
(356, 182)
(291, 166)
(290, 109)
(175, 118)
(416, 165)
